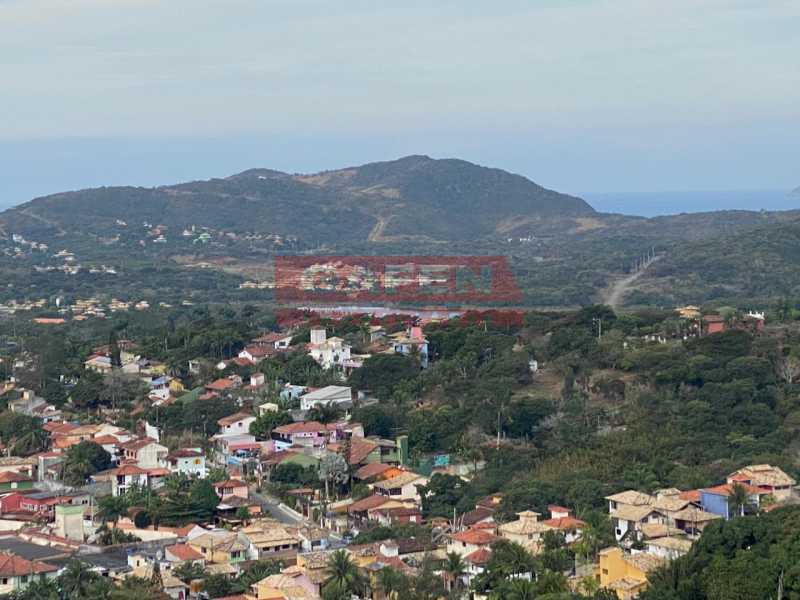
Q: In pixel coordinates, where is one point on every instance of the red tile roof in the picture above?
(476, 537)
(184, 552)
(480, 557)
(137, 445)
(130, 470)
(726, 489)
(368, 503)
(301, 427)
(565, 523)
(220, 385)
(371, 470)
(10, 477)
(691, 495)
(360, 448)
(12, 565)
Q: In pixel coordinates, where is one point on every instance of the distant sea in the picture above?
(653, 204)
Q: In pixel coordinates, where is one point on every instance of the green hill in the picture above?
(416, 197)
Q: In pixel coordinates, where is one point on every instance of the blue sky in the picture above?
(579, 95)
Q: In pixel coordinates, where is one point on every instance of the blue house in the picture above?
(716, 500)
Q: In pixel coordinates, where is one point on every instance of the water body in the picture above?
(653, 204)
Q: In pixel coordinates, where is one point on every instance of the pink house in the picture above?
(232, 487)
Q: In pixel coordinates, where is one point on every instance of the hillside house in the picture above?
(625, 574)
(470, 541)
(768, 479)
(328, 352)
(411, 343)
(17, 573)
(145, 453)
(236, 424)
(309, 434)
(717, 499)
(188, 461)
(527, 531)
(401, 487)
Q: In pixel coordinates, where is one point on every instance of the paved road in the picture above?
(273, 507)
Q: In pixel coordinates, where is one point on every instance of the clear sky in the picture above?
(578, 95)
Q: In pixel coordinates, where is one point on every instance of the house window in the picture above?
(24, 579)
(605, 571)
(5, 580)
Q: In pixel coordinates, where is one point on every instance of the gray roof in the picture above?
(28, 550)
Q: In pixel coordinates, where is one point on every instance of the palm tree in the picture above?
(391, 583)
(344, 573)
(454, 568)
(77, 580)
(520, 589)
(739, 498)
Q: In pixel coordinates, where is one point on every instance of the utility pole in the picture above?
(599, 322)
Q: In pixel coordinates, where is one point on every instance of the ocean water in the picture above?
(653, 204)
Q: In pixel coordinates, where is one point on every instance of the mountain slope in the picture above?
(415, 197)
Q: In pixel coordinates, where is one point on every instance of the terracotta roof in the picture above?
(11, 477)
(185, 453)
(694, 515)
(643, 561)
(480, 557)
(231, 419)
(565, 523)
(130, 470)
(220, 384)
(260, 350)
(371, 470)
(105, 440)
(726, 489)
(477, 537)
(55, 428)
(184, 552)
(360, 448)
(301, 427)
(12, 565)
(368, 503)
(690, 495)
(557, 508)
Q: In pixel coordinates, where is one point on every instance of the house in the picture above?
(10, 481)
(220, 547)
(225, 384)
(336, 395)
(526, 531)
(629, 510)
(389, 517)
(267, 407)
(189, 461)
(470, 541)
(128, 476)
(625, 574)
(371, 471)
(290, 583)
(16, 573)
(668, 547)
(238, 423)
(714, 324)
(401, 487)
(231, 487)
(692, 520)
(279, 341)
(146, 453)
(179, 554)
(255, 353)
(766, 478)
(329, 353)
(561, 520)
(411, 343)
(43, 504)
(270, 539)
(310, 434)
(717, 500)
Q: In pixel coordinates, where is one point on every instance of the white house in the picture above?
(401, 487)
(329, 395)
(147, 453)
(329, 352)
(411, 342)
(126, 477)
(235, 424)
(189, 461)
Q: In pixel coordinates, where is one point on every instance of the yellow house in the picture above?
(176, 386)
(625, 574)
(224, 548)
